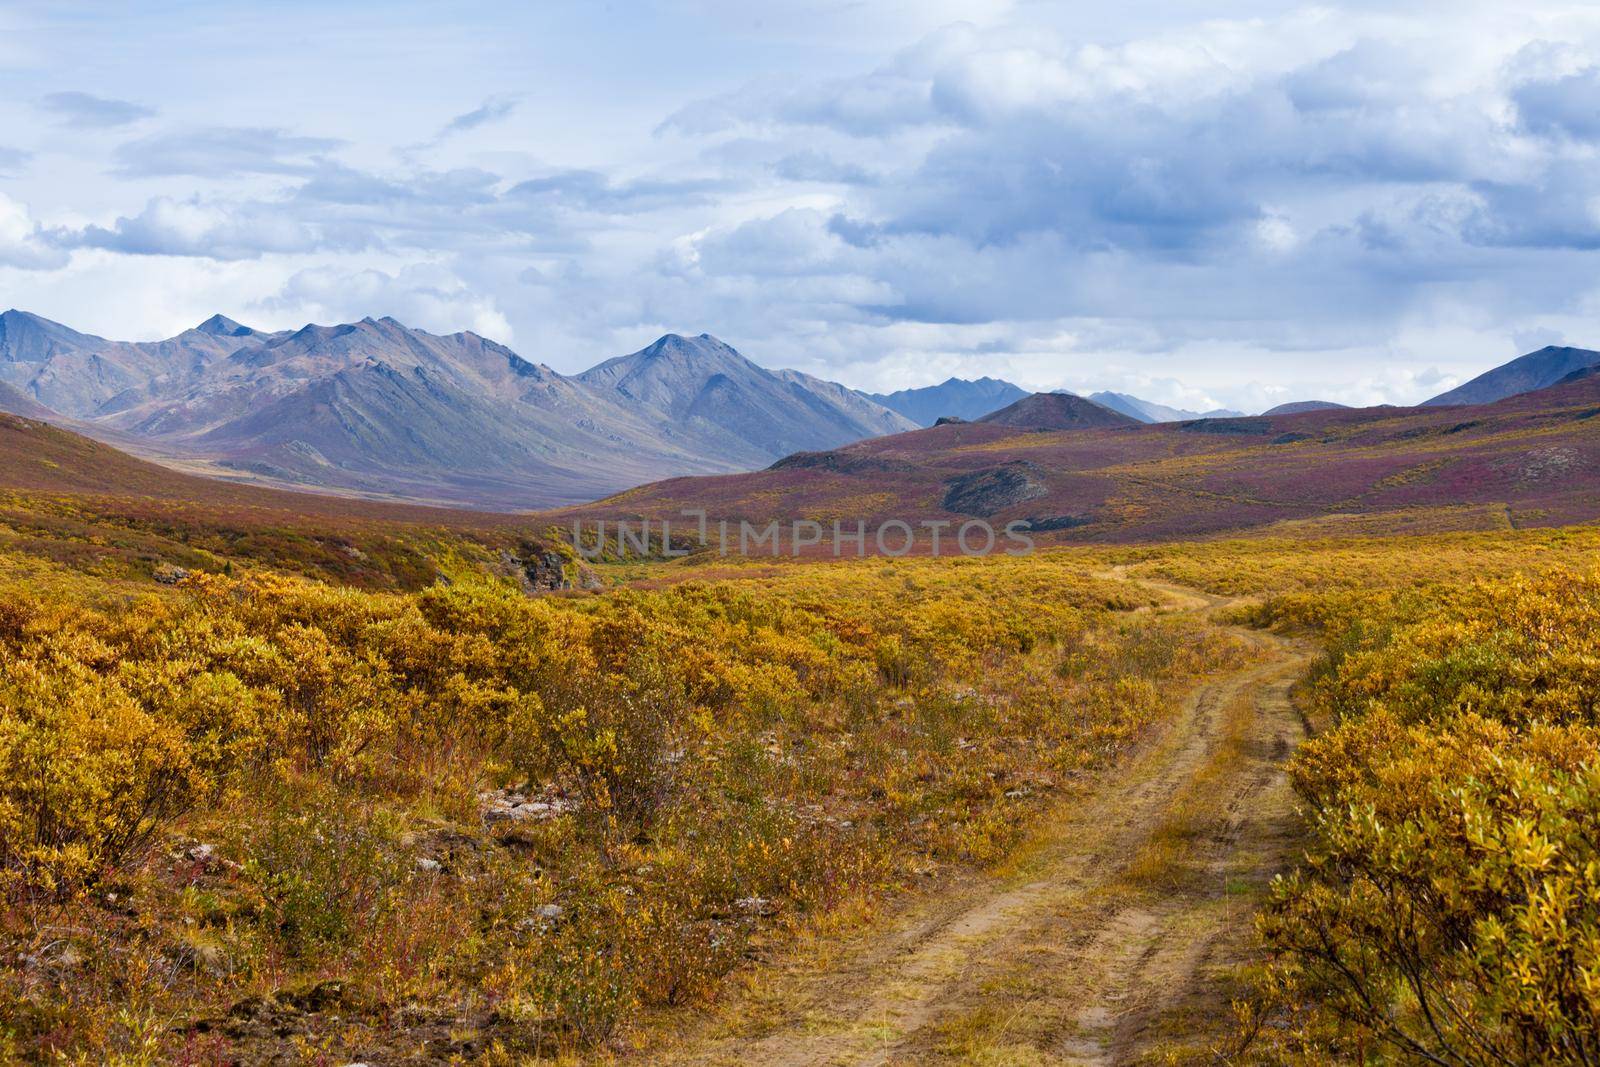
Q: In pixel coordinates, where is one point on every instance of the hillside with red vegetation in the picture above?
(79, 501)
(1530, 460)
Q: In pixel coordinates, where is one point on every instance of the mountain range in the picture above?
(972, 400)
(375, 407)
(953, 398)
(1149, 411)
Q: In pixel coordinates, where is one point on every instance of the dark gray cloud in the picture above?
(222, 152)
(85, 111)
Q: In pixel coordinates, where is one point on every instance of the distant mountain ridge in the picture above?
(1149, 411)
(377, 407)
(958, 398)
(1536, 370)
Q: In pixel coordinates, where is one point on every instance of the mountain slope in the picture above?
(74, 373)
(861, 408)
(1057, 411)
(15, 402)
(954, 397)
(1536, 370)
(77, 501)
(706, 395)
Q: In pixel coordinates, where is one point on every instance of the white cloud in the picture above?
(21, 242)
(426, 296)
(1354, 201)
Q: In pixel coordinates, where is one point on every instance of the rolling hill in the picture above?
(1057, 411)
(1300, 407)
(79, 501)
(1533, 459)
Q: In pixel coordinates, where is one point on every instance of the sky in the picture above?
(1222, 204)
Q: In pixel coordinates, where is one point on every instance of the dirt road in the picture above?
(1107, 942)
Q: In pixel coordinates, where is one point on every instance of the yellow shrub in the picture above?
(86, 776)
(1450, 906)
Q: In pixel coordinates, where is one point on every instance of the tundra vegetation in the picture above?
(254, 812)
(1447, 908)
(260, 813)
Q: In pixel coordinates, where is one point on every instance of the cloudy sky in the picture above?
(1222, 203)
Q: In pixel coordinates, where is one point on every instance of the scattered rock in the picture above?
(1055, 522)
(167, 574)
(56, 955)
(506, 805)
(1542, 463)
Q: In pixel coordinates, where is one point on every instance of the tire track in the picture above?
(1071, 960)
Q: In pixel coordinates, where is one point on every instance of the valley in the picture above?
(304, 776)
(956, 534)
(373, 783)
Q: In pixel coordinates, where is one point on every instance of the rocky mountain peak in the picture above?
(222, 326)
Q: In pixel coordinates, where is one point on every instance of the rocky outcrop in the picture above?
(986, 492)
(839, 462)
(539, 569)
